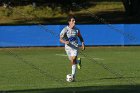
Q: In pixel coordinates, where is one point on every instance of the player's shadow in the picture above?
(86, 89)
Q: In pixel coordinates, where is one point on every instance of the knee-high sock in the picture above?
(74, 69)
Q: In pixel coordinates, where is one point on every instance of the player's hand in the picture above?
(83, 46)
(67, 42)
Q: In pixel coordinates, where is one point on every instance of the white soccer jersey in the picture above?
(70, 35)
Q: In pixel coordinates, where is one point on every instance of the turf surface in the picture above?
(41, 70)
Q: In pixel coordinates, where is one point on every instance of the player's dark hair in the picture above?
(70, 17)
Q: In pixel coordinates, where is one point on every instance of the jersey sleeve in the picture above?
(78, 33)
(63, 32)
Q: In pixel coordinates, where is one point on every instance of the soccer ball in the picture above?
(69, 78)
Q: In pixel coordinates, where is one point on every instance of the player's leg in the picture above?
(78, 61)
(68, 52)
(71, 58)
(73, 62)
(74, 53)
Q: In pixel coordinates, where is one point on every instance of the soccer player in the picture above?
(69, 36)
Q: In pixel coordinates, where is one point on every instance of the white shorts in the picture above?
(71, 51)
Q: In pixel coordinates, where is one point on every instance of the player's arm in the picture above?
(82, 40)
(62, 36)
(63, 41)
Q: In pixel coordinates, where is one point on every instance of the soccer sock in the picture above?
(73, 69)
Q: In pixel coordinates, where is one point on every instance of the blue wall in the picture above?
(48, 35)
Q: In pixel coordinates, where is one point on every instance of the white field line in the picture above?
(95, 58)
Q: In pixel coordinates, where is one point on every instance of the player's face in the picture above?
(72, 22)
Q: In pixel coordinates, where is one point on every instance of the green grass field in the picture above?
(43, 70)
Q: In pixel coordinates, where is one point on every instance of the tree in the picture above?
(66, 5)
(132, 7)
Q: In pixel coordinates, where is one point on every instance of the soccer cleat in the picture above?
(79, 63)
(74, 80)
